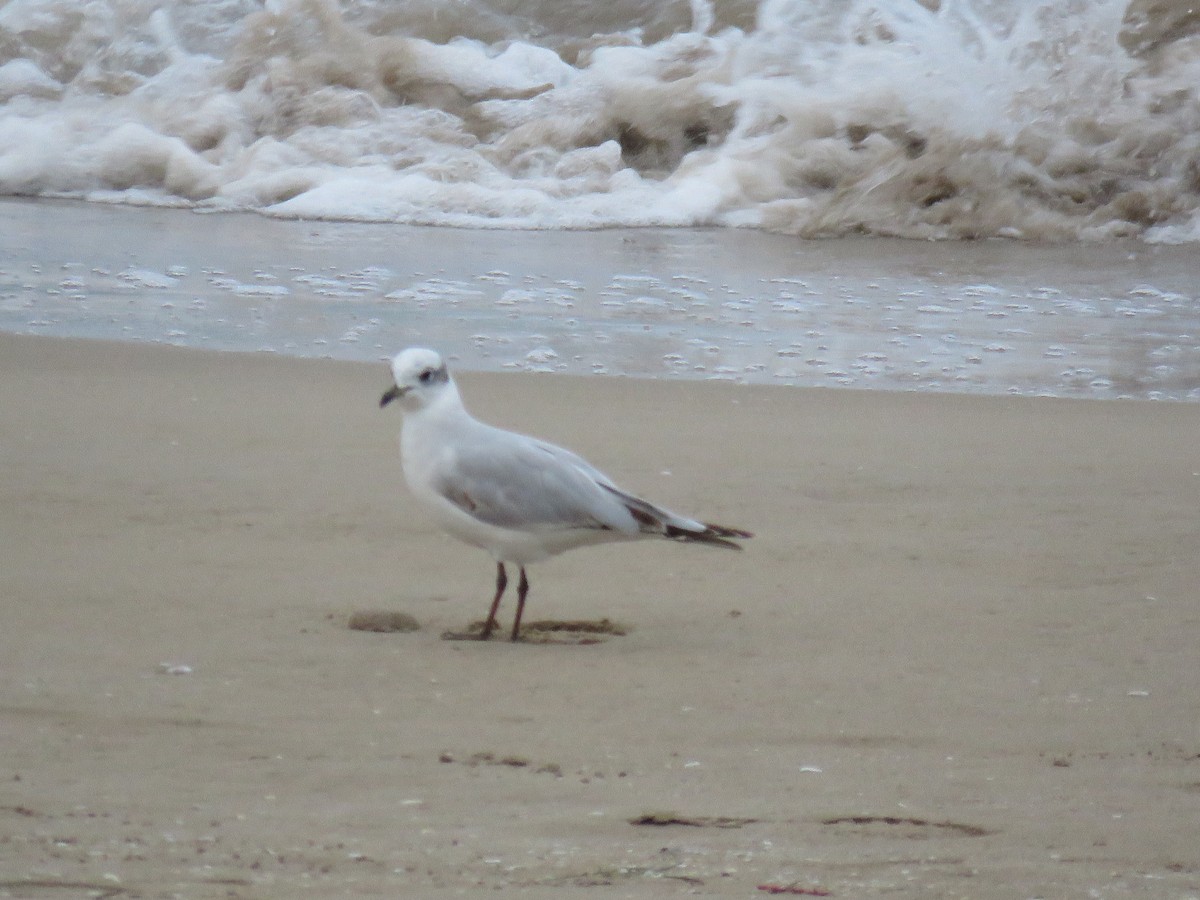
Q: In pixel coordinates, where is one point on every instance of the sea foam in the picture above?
(1047, 120)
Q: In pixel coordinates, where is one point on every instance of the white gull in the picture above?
(520, 499)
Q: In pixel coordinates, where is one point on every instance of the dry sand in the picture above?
(960, 659)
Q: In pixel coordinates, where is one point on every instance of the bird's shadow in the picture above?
(548, 631)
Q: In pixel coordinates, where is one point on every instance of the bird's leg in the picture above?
(522, 590)
(501, 584)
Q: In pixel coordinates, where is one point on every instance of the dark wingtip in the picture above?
(723, 531)
(716, 535)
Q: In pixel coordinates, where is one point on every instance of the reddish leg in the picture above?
(522, 590)
(501, 584)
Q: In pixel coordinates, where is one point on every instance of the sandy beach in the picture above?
(959, 659)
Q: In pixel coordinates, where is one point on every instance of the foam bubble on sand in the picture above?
(145, 278)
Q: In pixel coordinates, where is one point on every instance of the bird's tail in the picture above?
(717, 535)
(653, 520)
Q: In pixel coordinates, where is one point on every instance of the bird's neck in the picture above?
(444, 409)
(423, 435)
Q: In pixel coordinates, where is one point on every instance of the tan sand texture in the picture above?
(959, 659)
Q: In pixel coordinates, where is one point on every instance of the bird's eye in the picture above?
(426, 376)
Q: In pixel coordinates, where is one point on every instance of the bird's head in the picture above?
(419, 377)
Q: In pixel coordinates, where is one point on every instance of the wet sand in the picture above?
(958, 659)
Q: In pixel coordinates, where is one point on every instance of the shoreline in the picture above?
(988, 318)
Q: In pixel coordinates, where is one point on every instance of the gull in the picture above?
(521, 499)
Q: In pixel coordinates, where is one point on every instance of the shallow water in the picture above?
(1071, 320)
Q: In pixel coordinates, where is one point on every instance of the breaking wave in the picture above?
(1058, 120)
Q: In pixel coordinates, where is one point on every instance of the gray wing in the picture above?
(516, 482)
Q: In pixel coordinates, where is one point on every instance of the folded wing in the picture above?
(511, 481)
(515, 482)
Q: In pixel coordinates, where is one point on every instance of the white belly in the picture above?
(506, 544)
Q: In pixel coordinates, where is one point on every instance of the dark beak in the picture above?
(389, 395)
